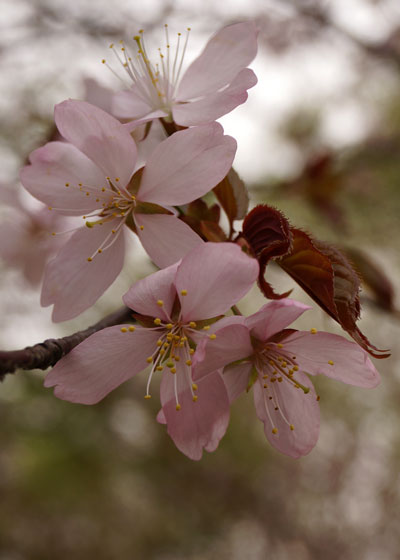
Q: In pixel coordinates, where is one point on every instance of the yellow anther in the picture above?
(318, 398)
(141, 228)
(212, 336)
(159, 368)
(112, 45)
(284, 364)
(160, 302)
(280, 379)
(89, 259)
(149, 359)
(273, 379)
(170, 337)
(313, 331)
(170, 364)
(194, 398)
(265, 376)
(162, 352)
(124, 329)
(99, 250)
(188, 362)
(166, 345)
(291, 372)
(113, 231)
(50, 208)
(274, 430)
(169, 326)
(265, 385)
(147, 396)
(280, 345)
(88, 193)
(173, 370)
(192, 325)
(295, 368)
(103, 189)
(291, 427)
(132, 328)
(194, 387)
(206, 328)
(159, 343)
(183, 292)
(181, 344)
(157, 321)
(67, 184)
(271, 363)
(103, 61)
(53, 233)
(183, 338)
(133, 197)
(178, 407)
(176, 358)
(177, 337)
(191, 351)
(331, 363)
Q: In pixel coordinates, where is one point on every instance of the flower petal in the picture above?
(187, 165)
(57, 164)
(216, 276)
(232, 343)
(165, 238)
(296, 408)
(315, 352)
(274, 317)
(142, 297)
(98, 135)
(71, 282)
(101, 363)
(226, 53)
(197, 425)
(213, 106)
(236, 379)
(129, 104)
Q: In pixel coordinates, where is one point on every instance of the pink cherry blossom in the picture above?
(26, 241)
(215, 83)
(93, 174)
(177, 305)
(275, 361)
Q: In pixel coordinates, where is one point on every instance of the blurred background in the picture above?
(320, 139)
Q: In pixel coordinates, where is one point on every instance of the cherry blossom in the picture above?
(176, 306)
(93, 173)
(26, 242)
(214, 84)
(276, 362)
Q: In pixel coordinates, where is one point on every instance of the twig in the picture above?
(47, 353)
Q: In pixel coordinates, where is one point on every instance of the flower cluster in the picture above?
(182, 329)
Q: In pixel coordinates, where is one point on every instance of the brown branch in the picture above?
(47, 353)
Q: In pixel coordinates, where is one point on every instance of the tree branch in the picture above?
(47, 353)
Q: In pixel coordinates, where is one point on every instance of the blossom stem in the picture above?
(47, 353)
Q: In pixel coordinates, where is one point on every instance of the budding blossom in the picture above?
(176, 306)
(275, 361)
(214, 84)
(93, 173)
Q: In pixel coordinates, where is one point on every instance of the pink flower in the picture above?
(177, 304)
(276, 361)
(26, 242)
(93, 174)
(214, 84)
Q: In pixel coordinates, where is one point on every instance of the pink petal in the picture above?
(71, 282)
(142, 297)
(227, 52)
(165, 238)
(215, 105)
(98, 135)
(129, 104)
(187, 165)
(198, 425)
(101, 363)
(236, 379)
(132, 125)
(275, 316)
(232, 343)
(299, 409)
(351, 363)
(216, 276)
(56, 164)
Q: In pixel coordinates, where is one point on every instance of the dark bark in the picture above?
(47, 353)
